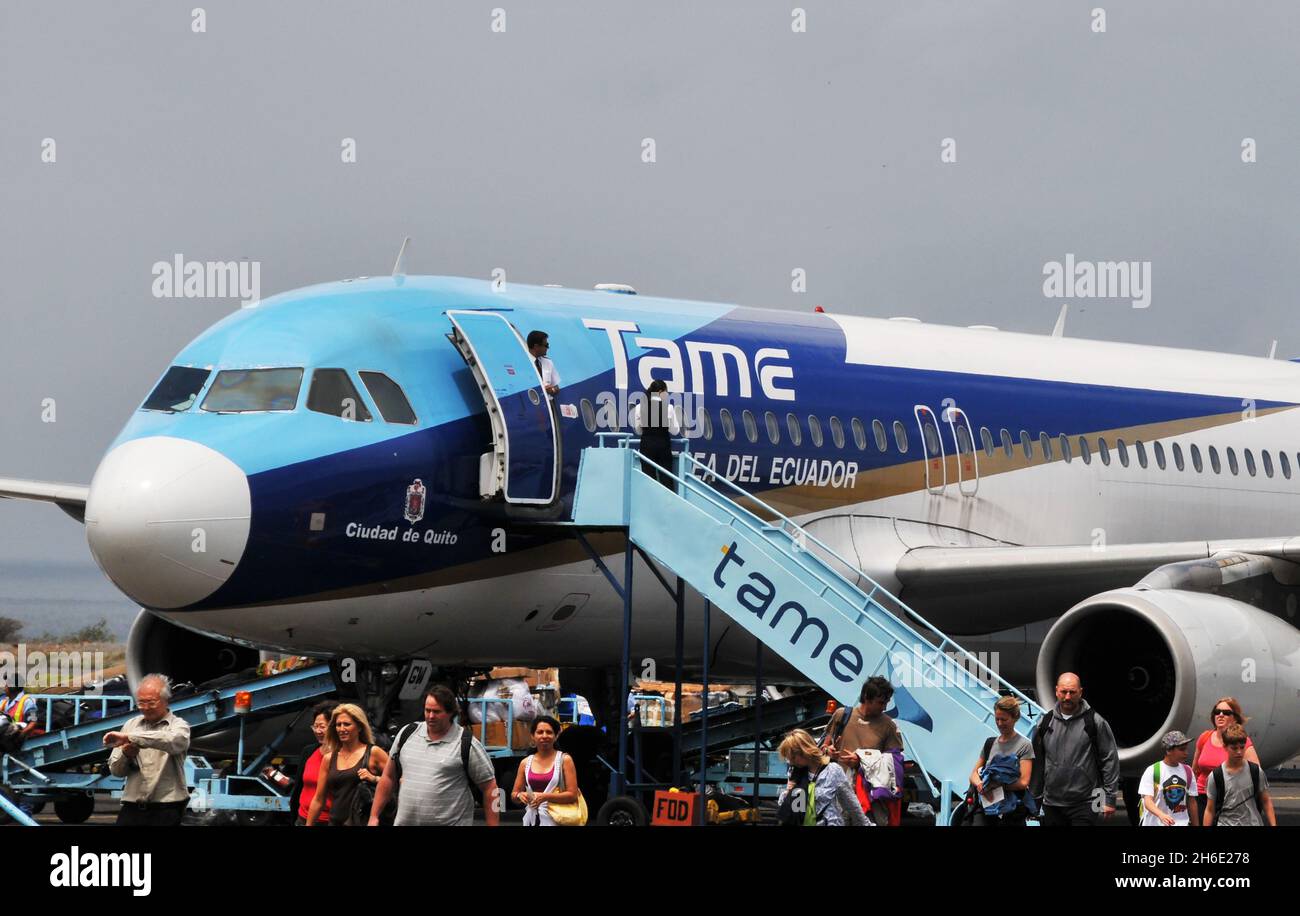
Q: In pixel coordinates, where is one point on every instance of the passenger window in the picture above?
(1064, 441)
(1267, 459)
(333, 393)
(878, 430)
(796, 431)
(1160, 454)
(177, 389)
(708, 423)
(1045, 441)
(389, 398)
(986, 437)
(751, 425)
(1215, 465)
(773, 427)
(588, 415)
(1103, 450)
(900, 437)
(1008, 447)
(1178, 455)
(728, 424)
(859, 434)
(1027, 445)
(931, 437)
(815, 431)
(1232, 461)
(1142, 453)
(964, 445)
(250, 390)
(1196, 457)
(1250, 461)
(1085, 451)
(1122, 448)
(837, 432)
(1285, 462)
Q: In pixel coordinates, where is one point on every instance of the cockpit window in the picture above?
(388, 397)
(242, 390)
(332, 392)
(177, 390)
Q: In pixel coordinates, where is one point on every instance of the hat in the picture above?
(1174, 739)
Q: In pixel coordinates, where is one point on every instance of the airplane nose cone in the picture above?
(167, 520)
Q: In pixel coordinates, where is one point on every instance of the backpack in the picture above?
(1037, 779)
(1220, 784)
(787, 813)
(466, 742)
(837, 732)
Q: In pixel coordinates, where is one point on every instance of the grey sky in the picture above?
(522, 150)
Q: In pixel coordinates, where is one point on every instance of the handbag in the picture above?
(364, 799)
(572, 814)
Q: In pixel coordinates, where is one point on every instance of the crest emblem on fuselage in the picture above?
(415, 501)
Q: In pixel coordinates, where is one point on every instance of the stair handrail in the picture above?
(1032, 710)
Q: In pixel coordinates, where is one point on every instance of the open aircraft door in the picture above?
(524, 464)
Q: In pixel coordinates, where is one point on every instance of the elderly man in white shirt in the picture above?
(539, 345)
(150, 752)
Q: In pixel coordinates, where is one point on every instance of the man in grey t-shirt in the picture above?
(1237, 807)
(434, 789)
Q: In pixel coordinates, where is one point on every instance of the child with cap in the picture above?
(1168, 787)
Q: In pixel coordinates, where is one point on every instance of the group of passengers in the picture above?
(1066, 773)
(348, 780)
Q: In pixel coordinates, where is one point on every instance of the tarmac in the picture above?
(1286, 802)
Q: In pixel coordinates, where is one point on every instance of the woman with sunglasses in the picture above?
(1210, 751)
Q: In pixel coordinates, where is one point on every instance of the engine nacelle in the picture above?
(159, 646)
(1152, 660)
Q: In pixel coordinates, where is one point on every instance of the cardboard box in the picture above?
(521, 739)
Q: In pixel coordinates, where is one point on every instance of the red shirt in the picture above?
(310, 779)
(1210, 758)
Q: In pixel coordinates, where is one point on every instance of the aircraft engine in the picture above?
(1155, 659)
(158, 646)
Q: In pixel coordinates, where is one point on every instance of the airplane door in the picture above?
(936, 471)
(968, 464)
(525, 456)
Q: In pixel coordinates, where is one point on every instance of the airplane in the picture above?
(320, 474)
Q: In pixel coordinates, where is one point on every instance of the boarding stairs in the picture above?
(800, 599)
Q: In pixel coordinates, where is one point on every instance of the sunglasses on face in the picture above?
(1225, 712)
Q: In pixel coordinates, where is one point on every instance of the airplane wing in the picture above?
(1021, 583)
(69, 497)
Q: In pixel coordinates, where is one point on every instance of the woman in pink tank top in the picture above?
(545, 776)
(1210, 751)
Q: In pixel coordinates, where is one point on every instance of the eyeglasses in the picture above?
(1225, 712)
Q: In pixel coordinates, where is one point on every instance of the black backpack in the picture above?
(788, 814)
(1037, 779)
(1220, 785)
(466, 742)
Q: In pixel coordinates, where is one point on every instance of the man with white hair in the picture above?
(150, 752)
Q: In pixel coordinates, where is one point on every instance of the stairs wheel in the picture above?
(75, 809)
(622, 811)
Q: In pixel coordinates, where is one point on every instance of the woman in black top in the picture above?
(655, 421)
(349, 758)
